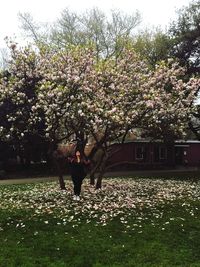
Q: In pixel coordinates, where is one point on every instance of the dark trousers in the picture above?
(77, 181)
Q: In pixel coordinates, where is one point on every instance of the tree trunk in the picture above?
(61, 181)
(59, 162)
(92, 179)
(92, 174)
(101, 172)
(97, 161)
(99, 181)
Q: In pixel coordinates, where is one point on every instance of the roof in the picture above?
(158, 141)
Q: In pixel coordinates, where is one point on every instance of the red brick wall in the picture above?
(193, 154)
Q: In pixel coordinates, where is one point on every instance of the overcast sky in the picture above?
(154, 12)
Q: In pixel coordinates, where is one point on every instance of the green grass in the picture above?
(49, 229)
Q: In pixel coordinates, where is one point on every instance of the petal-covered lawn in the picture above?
(118, 197)
(128, 223)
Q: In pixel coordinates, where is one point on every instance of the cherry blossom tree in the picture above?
(105, 99)
(172, 102)
(69, 93)
(17, 96)
(172, 105)
(86, 98)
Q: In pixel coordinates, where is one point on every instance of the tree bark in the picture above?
(101, 172)
(99, 178)
(99, 182)
(59, 168)
(62, 183)
(92, 179)
(94, 170)
(59, 162)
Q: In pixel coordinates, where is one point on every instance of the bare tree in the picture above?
(3, 58)
(107, 34)
(37, 32)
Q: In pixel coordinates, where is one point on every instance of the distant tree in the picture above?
(107, 35)
(3, 58)
(152, 45)
(194, 123)
(185, 33)
(37, 33)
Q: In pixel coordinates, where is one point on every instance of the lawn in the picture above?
(130, 222)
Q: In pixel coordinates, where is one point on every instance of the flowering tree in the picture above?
(106, 99)
(172, 101)
(172, 105)
(158, 102)
(74, 95)
(17, 96)
(86, 98)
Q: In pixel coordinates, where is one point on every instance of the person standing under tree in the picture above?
(78, 165)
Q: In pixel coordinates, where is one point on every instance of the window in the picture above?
(139, 152)
(162, 152)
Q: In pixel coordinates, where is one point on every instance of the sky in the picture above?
(154, 12)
